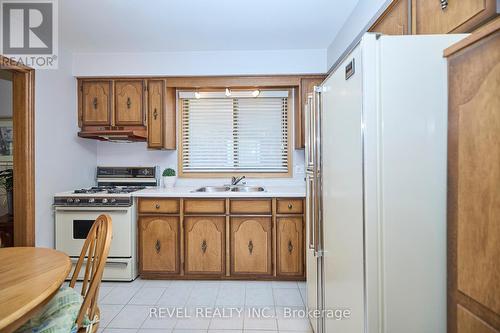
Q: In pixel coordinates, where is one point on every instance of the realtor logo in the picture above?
(29, 32)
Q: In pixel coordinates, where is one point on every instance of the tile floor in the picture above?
(125, 307)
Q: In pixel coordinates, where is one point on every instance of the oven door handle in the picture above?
(109, 262)
(92, 209)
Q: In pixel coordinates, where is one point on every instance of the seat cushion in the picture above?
(58, 315)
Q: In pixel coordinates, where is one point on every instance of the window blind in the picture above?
(222, 134)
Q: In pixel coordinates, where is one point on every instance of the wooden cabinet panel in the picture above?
(159, 205)
(474, 178)
(262, 206)
(469, 323)
(251, 246)
(458, 16)
(95, 103)
(290, 247)
(306, 87)
(395, 20)
(290, 206)
(204, 206)
(156, 110)
(159, 244)
(205, 245)
(129, 102)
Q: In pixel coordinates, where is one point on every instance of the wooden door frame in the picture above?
(23, 117)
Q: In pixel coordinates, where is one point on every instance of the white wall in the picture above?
(63, 161)
(364, 12)
(201, 63)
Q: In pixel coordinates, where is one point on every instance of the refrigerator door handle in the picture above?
(309, 132)
(310, 209)
(317, 170)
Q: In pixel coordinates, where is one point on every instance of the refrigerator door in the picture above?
(342, 248)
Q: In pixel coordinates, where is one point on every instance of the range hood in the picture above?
(121, 135)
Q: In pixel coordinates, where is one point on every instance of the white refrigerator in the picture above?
(376, 156)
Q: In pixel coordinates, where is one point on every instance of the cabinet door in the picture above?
(306, 87)
(129, 102)
(159, 244)
(474, 185)
(95, 103)
(205, 245)
(156, 110)
(456, 16)
(251, 246)
(289, 252)
(395, 20)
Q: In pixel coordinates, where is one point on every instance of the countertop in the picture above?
(295, 191)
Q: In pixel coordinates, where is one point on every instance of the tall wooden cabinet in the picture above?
(474, 183)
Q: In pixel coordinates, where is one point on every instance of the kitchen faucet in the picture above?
(236, 180)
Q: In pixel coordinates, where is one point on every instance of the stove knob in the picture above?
(77, 200)
(104, 200)
(69, 200)
(145, 172)
(113, 200)
(91, 200)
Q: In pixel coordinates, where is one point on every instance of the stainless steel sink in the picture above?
(213, 189)
(239, 188)
(248, 189)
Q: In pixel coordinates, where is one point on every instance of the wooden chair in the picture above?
(94, 253)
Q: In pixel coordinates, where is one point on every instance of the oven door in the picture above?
(74, 223)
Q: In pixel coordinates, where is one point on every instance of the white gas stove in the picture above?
(75, 212)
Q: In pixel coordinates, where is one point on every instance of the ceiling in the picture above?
(94, 26)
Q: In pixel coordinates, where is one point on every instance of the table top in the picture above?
(29, 277)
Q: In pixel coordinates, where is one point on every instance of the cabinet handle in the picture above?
(158, 246)
(129, 102)
(155, 114)
(290, 206)
(204, 246)
(250, 246)
(290, 246)
(95, 103)
(157, 206)
(444, 4)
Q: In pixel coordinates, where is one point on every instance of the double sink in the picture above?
(231, 188)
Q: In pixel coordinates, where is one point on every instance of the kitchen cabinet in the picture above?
(159, 244)
(290, 242)
(161, 115)
(205, 245)
(395, 20)
(441, 17)
(224, 238)
(306, 87)
(130, 102)
(95, 103)
(251, 246)
(474, 182)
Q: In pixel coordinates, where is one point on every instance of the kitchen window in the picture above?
(235, 132)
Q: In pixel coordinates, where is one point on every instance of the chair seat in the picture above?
(58, 315)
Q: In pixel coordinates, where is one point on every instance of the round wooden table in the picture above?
(29, 278)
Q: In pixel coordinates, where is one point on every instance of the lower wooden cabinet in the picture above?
(205, 244)
(290, 246)
(221, 238)
(159, 244)
(251, 247)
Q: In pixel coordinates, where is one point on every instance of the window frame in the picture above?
(290, 114)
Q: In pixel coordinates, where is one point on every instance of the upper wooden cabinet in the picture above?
(130, 102)
(306, 87)
(474, 182)
(395, 20)
(95, 103)
(161, 115)
(441, 17)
